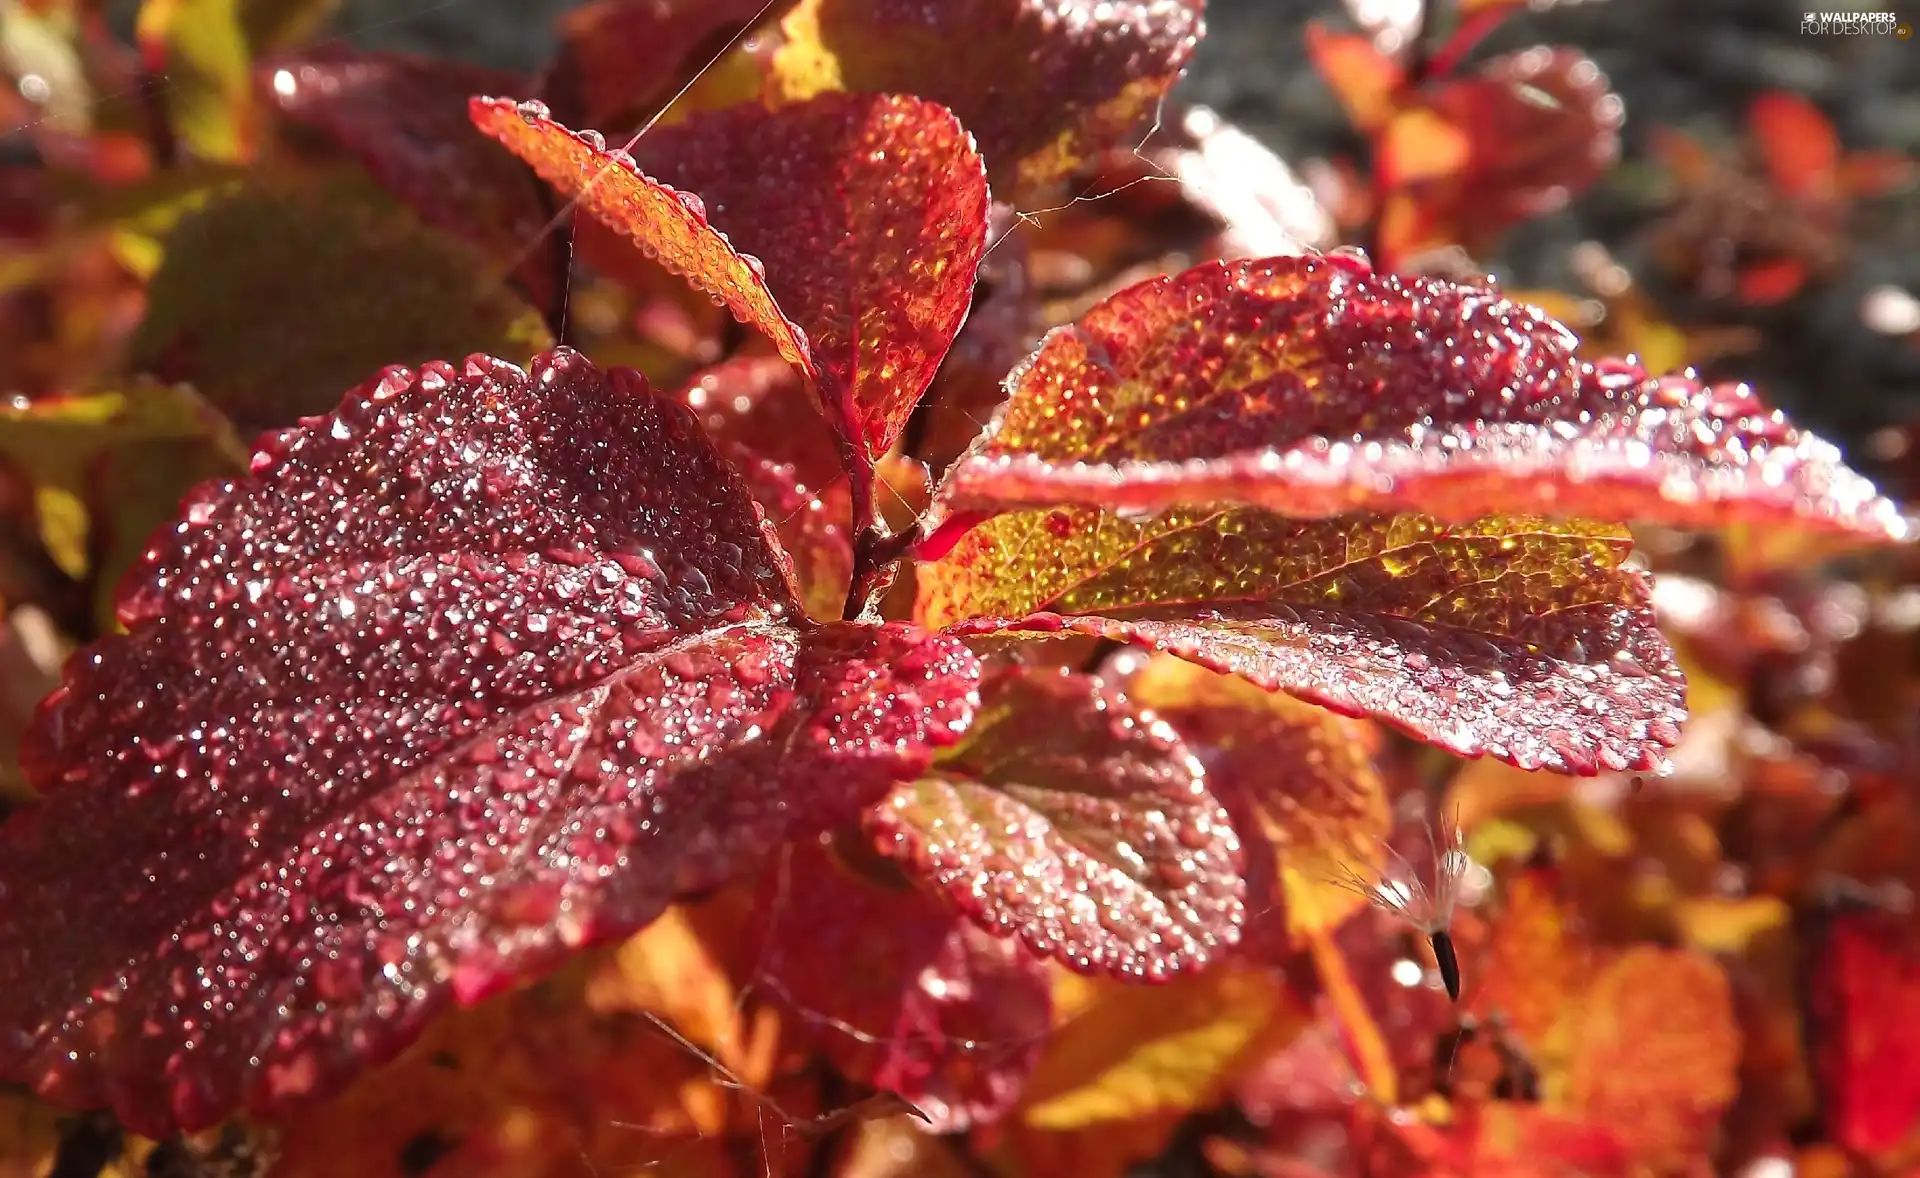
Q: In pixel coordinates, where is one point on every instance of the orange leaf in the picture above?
(1871, 173)
(1106, 1150)
(1536, 961)
(669, 970)
(1498, 1139)
(669, 224)
(537, 1083)
(1656, 1052)
(1418, 146)
(1407, 229)
(898, 1148)
(1041, 84)
(1365, 80)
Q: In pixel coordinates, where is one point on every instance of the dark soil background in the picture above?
(1692, 66)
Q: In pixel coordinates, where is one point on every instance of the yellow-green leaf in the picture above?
(107, 468)
(272, 300)
(1140, 1050)
(205, 50)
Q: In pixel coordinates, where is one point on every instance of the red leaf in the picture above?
(1865, 1014)
(1764, 284)
(755, 410)
(1069, 819)
(484, 667)
(1544, 124)
(1315, 386)
(1797, 145)
(867, 214)
(902, 993)
(405, 119)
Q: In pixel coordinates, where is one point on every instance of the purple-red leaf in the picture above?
(901, 992)
(405, 119)
(485, 666)
(755, 410)
(1066, 818)
(864, 216)
(1314, 386)
(1515, 637)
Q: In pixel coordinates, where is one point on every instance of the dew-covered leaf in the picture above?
(1141, 1051)
(484, 667)
(272, 299)
(1544, 123)
(1864, 1015)
(756, 410)
(864, 215)
(1315, 386)
(869, 214)
(121, 461)
(1042, 84)
(1066, 818)
(404, 118)
(900, 991)
(1305, 776)
(1515, 637)
(670, 226)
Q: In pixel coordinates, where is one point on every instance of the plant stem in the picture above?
(876, 559)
